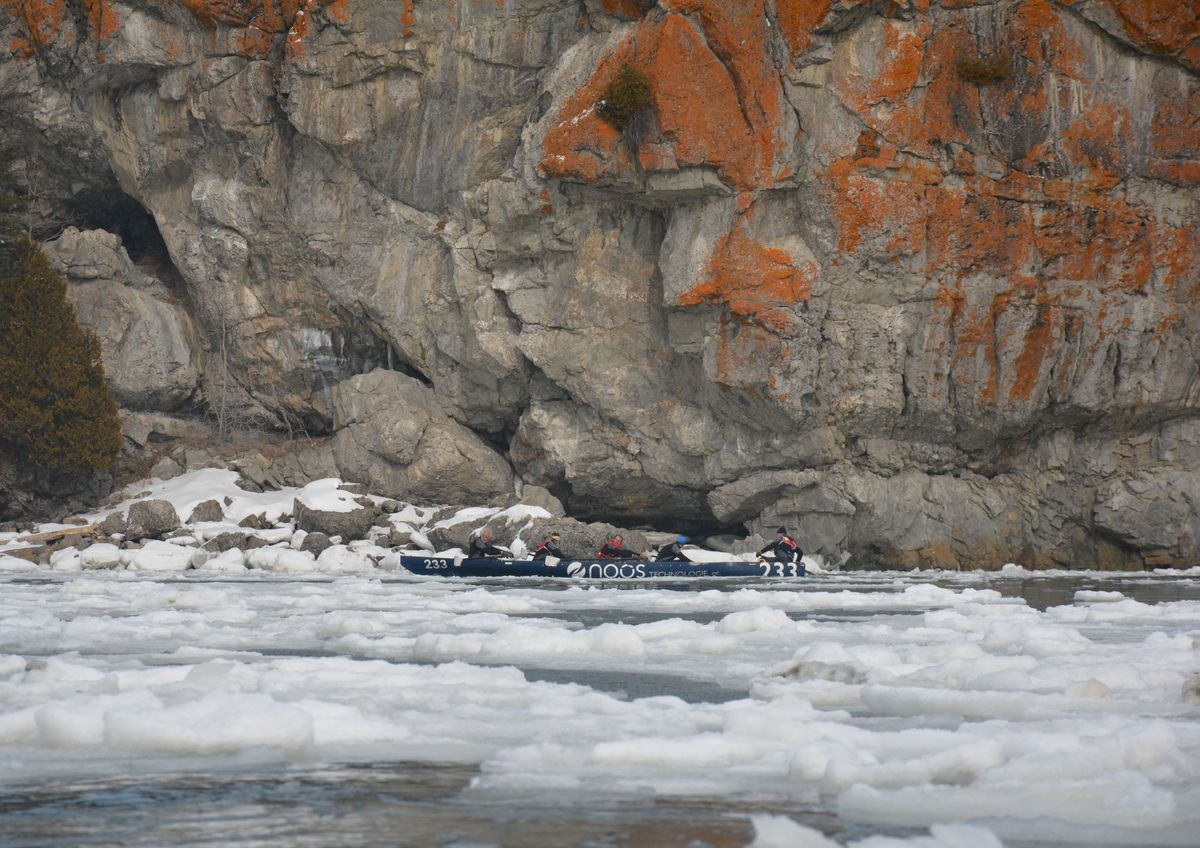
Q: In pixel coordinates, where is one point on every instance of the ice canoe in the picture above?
(595, 569)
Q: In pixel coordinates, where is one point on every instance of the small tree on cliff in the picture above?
(56, 413)
(625, 104)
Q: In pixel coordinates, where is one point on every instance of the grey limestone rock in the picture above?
(1151, 508)
(227, 540)
(393, 436)
(315, 542)
(166, 469)
(209, 510)
(147, 344)
(112, 524)
(540, 497)
(150, 519)
(352, 524)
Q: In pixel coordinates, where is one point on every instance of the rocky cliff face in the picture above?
(917, 278)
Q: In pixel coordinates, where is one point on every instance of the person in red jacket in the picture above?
(549, 548)
(612, 549)
(784, 548)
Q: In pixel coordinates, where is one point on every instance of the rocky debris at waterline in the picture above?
(150, 519)
(226, 541)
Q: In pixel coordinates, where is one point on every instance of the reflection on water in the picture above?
(400, 804)
(1044, 592)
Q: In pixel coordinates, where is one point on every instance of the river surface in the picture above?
(365, 711)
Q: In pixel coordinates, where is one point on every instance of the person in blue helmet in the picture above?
(673, 552)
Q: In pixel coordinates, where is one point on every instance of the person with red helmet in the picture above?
(783, 549)
(612, 549)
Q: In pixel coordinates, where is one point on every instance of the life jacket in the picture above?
(545, 543)
(790, 542)
(603, 554)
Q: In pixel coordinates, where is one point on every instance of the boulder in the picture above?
(315, 542)
(392, 433)
(100, 556)
(166, 469)
(144, 428)
(30, 553)
(112, 524)
(209, 510)
(254, 522)
(150, 519)
(352, 524)
(227, 540)
(540, 497)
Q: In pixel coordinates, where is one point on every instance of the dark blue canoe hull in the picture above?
(595, 569)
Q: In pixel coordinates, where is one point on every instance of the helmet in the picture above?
(681, 539)
(556, 537)
(782, 530)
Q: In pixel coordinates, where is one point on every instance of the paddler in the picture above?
(482, 547)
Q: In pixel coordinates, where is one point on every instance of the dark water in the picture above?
(281, 805)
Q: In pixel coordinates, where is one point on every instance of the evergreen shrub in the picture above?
(56, 412)
(624, 98)
(985, 70)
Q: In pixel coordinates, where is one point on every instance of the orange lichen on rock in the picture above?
(1167, 27)
(261, 22)
(631, 9)
(42, 21)
(407, 19)
(339, 11)
(1036, 347)
(874, 192)
(798, 19)
(1175, 136)
(699, 110)
(580, 145)
(756, 281)
(212, 12)
(724, 111)
(102, 18)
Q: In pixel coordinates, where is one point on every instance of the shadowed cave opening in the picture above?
(113, 210)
